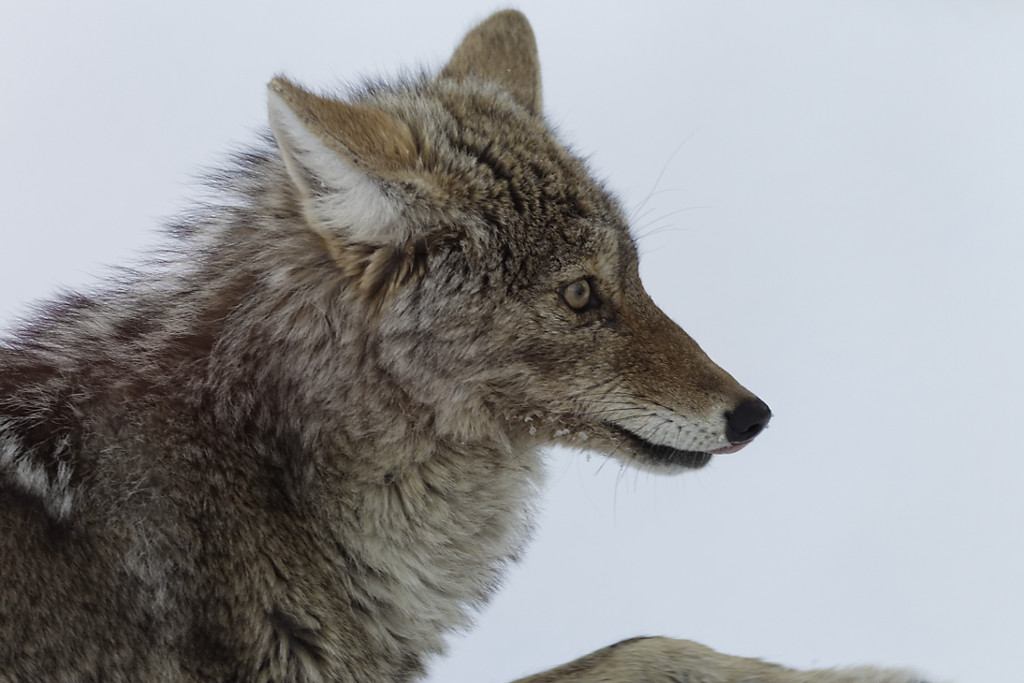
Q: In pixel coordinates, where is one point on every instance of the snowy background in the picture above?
(830, 199)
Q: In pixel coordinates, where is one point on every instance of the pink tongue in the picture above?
(729, 449)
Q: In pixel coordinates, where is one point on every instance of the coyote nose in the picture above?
(747, 420)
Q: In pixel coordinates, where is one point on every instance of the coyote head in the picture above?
(500, 280)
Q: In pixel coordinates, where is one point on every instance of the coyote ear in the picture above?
(343, 158)
(502, 50)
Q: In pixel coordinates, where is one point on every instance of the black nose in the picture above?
(747, 420)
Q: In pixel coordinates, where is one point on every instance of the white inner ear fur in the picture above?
(337, 195)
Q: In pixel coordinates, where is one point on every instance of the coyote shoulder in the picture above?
(307, 445)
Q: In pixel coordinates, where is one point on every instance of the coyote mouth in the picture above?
(664, 455)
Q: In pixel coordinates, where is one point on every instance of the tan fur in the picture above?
(308, 445)
(380, 144)
(501, 50)
(664, 660)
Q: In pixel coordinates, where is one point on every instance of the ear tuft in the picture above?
(502, 50)
(377, 272)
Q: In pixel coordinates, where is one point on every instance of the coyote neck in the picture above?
(434, 540)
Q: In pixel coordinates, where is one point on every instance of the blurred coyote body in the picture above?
(306, 444)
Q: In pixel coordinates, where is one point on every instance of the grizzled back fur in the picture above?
(306, 446)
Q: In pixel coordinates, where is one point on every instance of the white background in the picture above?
(829, 197)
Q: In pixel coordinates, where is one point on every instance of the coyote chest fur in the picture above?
(305, 444)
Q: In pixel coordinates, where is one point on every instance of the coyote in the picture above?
(303, 444)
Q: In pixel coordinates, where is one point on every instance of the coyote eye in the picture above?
(577, 294)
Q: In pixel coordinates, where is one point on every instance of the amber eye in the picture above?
(577, 294)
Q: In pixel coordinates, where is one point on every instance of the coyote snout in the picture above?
(697, 410)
